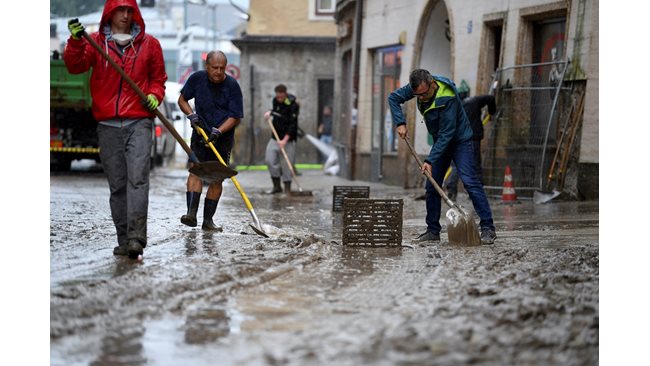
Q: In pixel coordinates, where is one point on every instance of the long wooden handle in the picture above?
(286, 157)
(449, 202)
(142, 96)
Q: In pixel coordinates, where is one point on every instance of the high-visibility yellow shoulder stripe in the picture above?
(444, 90)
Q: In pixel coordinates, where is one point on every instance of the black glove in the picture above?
(194, 120)
(214, 135)
(76, 28)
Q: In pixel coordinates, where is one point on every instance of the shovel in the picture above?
(284, 153)
(462, 228)
(258, 229)
(210, 171)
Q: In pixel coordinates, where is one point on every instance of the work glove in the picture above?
(151, 103)
(214, 135)
(76, 28)
(194, 120)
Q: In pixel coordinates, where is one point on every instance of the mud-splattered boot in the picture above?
(209, 208)
(134, 248)
(120, 250)
(287, 187)
(277, 188)
(193, 199)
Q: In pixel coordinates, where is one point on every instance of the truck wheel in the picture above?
(160, 157)
(154, 153)
(60, 164)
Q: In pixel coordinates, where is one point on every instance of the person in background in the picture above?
(219, 109)
(473, 107)
(284, 114)
(325, 128)
(125, 122)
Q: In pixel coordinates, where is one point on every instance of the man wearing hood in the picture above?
(125, 122)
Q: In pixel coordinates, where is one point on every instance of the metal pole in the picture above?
(251, 154)
(214, 26)
(548, 127)
(184, 15)
(205, 24)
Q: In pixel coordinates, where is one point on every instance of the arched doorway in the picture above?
(432, 51)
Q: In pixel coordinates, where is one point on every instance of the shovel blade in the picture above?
(258, 231)
(461, 228)
(212, 171)
(543, 197)
(300, 194)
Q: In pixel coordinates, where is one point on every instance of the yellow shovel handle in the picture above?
(448, 173)
(234, 180)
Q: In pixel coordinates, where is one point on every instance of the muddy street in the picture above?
(302, 298)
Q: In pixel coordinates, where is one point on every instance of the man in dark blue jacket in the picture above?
(446, 121)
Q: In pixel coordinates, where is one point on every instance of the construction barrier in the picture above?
(509, 195)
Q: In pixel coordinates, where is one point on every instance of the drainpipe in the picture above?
(251, 153)
(355, 88)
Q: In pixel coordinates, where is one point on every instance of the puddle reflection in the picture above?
(122, 347)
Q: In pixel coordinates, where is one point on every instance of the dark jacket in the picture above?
(473, 106)
(285, 117)
(444, 116)
(113, 97)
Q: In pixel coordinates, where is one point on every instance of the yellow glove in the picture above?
(151, 103)
(76, 28)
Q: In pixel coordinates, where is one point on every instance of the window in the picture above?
(386, 71)
(325, 7)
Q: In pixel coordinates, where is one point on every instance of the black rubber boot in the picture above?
(134, 248)
(193, 199)
(287, 187)
(209, 208)
(120, 250)
(277, 188)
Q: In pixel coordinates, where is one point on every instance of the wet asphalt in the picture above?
(300, 297)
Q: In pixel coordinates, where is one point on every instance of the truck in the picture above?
(73, 129)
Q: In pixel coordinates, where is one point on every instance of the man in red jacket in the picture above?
(125, 122)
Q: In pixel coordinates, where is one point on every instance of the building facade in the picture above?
(292, 43)
(539, 58)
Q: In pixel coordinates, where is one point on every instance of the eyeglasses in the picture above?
(424, 92)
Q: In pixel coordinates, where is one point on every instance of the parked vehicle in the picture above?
(164, 144)
(73, 129)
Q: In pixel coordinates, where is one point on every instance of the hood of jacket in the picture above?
(110, 7)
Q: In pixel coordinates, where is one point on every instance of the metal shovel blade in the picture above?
(461, 228)
(300, 194)
(258, 231)
(543, 197)
(212, 171)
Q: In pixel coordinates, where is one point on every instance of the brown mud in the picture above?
(301, 298)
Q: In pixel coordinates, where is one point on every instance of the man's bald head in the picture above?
(215, 65)
(218, 54)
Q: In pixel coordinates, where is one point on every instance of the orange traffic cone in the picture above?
(509, 195)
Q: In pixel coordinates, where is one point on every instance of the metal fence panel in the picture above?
(524, 131)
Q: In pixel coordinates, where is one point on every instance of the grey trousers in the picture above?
(125, 154)
(276, 162)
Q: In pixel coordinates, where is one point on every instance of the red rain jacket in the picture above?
(144, 63)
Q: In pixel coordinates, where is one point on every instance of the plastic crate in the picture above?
(372, 222)
(341, 192)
